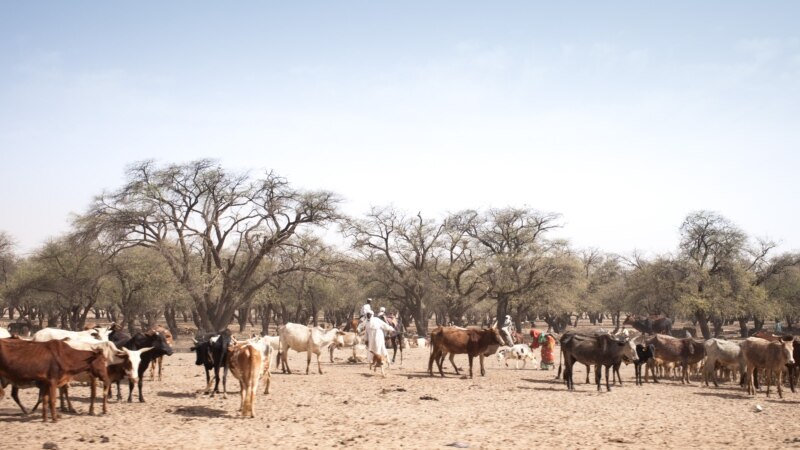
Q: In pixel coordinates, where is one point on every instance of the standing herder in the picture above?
(366, 308)
(506, 330)
(375, 336)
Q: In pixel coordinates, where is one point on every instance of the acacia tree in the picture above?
(214, 228)
(142, 287)
(69, 277)
(713, 247)
(8, 262)
(456, 268)
(518, 258)
(401, 250)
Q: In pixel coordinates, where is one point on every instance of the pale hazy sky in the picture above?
(621, 116)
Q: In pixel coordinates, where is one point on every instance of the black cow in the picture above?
(661, 325)
(142, 340)
(645, 353)
(602, 350)
(211, 352)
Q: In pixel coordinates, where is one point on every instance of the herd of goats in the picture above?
(53, 358)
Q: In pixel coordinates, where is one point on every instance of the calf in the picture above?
(519, 352)
(771, 356)
(456, 340)
(645, 353)
(50, 364)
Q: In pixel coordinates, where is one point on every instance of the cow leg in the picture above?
(588, 370)
(598, 376)
(453, 363)
(285, 360)
(431, 358)
(92, 394)
(470, 365)
(15, 396)
(208, 381)
(608, 386)
(160, 366)
(65, 404)
(319, 366)
(225, 382)
(330, 351)
(308, 360)
(483, 371)
(51, 397)
(768, 376)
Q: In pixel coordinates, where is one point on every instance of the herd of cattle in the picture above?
(53, 358)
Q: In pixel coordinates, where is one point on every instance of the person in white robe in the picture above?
(376, 338)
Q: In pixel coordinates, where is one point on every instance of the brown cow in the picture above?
(51, 364)
(246, 364)
(168, 335)
(682, 352)
(772, 356)
(456, 340)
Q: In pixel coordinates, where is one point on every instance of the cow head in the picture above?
(787, 347)
(160, 343)
(629, 353)
(133, 359)
(629, 320)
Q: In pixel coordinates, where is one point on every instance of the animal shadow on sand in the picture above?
(784, 401)
(723, 395)
(20, 418)
(199, 411)
(174, 394)
(427, 375)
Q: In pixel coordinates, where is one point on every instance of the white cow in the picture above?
(302, 338)
(346, 339)
(726, 354)
(518, 352)
(48, 334)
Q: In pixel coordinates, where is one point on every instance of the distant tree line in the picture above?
(197, 243)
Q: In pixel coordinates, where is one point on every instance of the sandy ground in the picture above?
(349, 406)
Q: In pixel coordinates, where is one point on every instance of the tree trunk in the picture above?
(266, 314)
(702, 319)
(243, 316)
(743, 331)
(421, 322)
(758, 323)
(171, 318)
(502, 309)
(717, 322)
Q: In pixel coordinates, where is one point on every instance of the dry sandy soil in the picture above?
(349, 406)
